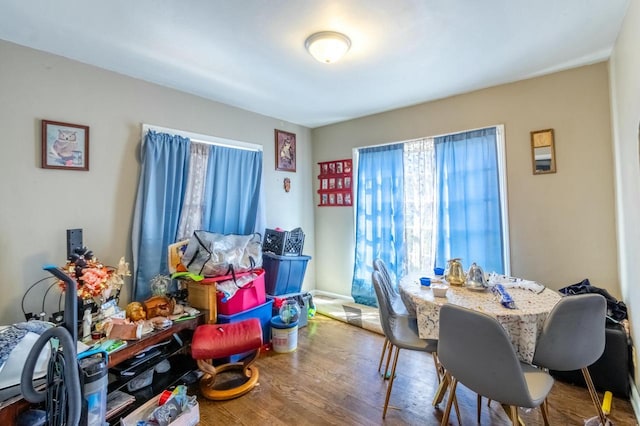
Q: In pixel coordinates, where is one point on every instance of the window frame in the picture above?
(502, 181)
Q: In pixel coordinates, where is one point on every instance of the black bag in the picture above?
(211, 255)
(616, 310)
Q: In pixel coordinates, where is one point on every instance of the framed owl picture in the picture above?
(285, 151)
(65, 146)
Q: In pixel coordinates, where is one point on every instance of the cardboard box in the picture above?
(189, 417)
(203, 296)
(174, 256)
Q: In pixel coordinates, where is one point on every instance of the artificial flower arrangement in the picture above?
(95, 280)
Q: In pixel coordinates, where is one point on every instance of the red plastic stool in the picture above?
(213, 341)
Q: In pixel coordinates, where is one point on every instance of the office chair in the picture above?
(477, 352)
(573, 338)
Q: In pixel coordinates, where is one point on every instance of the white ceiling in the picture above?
(250, 53)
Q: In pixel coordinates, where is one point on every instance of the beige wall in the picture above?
(38, 205)
(562, 225)
(625, 102)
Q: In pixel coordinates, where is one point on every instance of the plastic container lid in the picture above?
(285, 257)
(276, 322)
(93, 368)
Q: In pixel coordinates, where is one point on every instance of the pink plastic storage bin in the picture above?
(247, 297)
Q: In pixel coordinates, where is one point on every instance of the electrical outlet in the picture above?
(74, 240)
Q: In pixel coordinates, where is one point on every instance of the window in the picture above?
(422, 202)
(187, 184)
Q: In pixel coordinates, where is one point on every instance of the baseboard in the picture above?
(332, 295)
(635, 400)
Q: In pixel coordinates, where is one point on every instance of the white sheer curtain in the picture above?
(419, 205)
(192, 206)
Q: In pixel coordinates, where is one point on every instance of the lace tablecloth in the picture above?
(522, 324)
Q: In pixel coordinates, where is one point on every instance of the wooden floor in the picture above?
(332, 379)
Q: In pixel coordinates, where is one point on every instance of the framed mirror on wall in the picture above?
(543, 153)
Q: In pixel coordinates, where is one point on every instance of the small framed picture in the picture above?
(347, 182)
(347, 166)
(543, 152)
(325, 168)
(332, 168)
(332, 183)
(324, 184)
(332, 199)
(65, 146)
(285, 151)
(339, 199)
(324, 200)
(339, 183)
(339, 167)
(347, 199)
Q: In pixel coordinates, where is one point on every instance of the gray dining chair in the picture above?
(400, 330)
(397, 307)
(573, 338)
(476, 351)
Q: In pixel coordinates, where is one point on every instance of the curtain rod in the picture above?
(200, 138)
(499, 130)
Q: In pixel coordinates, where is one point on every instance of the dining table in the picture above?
(523, 324)
(523, 320)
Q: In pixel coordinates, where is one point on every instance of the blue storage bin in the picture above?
(283, 274)
(262, 312)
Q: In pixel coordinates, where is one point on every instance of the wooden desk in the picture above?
(136, 346)
(10, 412)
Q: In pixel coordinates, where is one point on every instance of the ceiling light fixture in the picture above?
(327, 46)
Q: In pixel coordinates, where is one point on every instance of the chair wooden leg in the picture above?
(514, 415)
(455, 407)
(384, 349)
(385, 375)
(545, 412)
(438, 366)
(442, 389)
(452, 394)
(594, 395)
(480, 406)
(393, 375)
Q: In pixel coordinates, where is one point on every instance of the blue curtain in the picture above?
(468, 217)
(165, 160)
(233, 185)
(380, 217)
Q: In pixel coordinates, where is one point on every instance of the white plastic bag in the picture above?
(211, 255)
